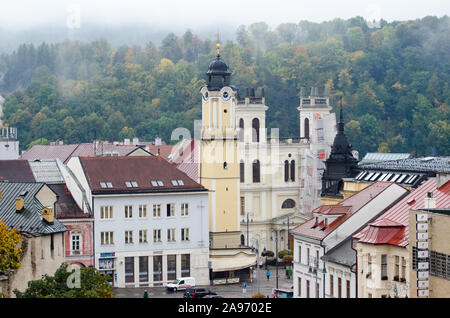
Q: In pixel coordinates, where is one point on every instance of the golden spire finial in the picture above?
(218, 48)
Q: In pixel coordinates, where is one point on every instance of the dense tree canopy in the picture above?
(64, 284)
(394, 80)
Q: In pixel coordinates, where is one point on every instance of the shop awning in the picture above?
(232, 262)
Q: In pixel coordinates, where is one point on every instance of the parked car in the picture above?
(181, 283)
(198, 292)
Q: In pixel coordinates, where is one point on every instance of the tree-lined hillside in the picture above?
(394, 79)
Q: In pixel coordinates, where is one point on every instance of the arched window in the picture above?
(288, 204)
(286, 171)
(242, 240)
(242, 171)
(255, 129)
(293, 170)
(256, 171)
(241, 129)
(306, 128)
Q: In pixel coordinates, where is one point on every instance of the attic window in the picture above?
(131, 184)
(106, 185)
(157, 183)
(177, 182)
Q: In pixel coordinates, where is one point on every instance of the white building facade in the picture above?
(148, 238)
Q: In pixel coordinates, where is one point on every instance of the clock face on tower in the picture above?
(205, 94)
(225, 93)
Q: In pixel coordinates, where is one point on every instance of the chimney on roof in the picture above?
(48, 215)
(19, 204)
(158, 141)
(135, 141)
(20, 201)
(126, 141)
(430, 202)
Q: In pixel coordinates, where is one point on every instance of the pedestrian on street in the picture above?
(268, 274)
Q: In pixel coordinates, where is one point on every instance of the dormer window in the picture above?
(177, 182)
(157, 183)
(131, 184)
(106, 185)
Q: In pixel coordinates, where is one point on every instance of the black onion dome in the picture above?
(218, 75)
(218, 67)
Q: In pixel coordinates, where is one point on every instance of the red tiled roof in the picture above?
(62, 152)
(332, 209)
(188, 159)
(66, 207)
(16, 171)
(164, 150)
(346, 208)
(392, 227)
(141, 169)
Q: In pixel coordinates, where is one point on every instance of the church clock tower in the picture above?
(219, 165)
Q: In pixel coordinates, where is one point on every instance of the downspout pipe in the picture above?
(356, 264)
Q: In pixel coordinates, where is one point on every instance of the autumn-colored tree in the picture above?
(10, 248)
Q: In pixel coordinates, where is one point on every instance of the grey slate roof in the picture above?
(30, 219)
(378, 156)
(341, 254)
(46, 170)
(427, 164)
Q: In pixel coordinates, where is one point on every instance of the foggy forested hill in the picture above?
(394, 79)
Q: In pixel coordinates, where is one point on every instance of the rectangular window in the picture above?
(348, 288)
(76, 244)
(170, 209)
(369, 266)
(157, 268)
(339, 287)
(317, 259)
(106, 238)
(299, 291)
(129, 269)
(185, 265)
(156, 210)
(128, 211)
(317, 290)
(397, 268)
(156, 235)
(241, 172)
(143, 210)
(143, 268)
(307, 256)
(184, 209)
(403, 275)
(170, 235)
(299, 253)
(128, 237)
(143, 236)
(185, 234)
(384, 267)
(307, 289)
(171, 267)
(106, 212)
(242, 206)
(331, 285)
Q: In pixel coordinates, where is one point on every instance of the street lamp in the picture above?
(313, 270)
(276, 255)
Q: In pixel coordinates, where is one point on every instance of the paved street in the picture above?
(259, 284)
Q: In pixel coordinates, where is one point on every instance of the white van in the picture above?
(181, 283)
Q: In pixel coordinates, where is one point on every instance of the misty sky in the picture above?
(198, 13)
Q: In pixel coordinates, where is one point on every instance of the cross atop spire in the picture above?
(341, 119)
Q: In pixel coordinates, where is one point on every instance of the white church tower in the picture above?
(318, 126)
